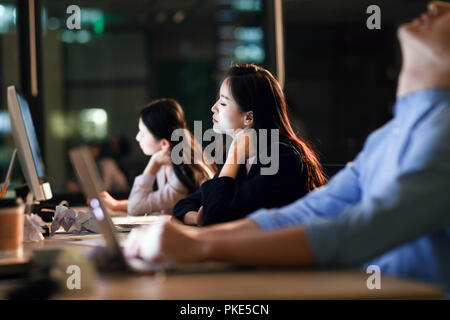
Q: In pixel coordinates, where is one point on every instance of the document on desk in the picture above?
(121, 217)
(135, 220)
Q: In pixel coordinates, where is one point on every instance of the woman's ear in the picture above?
(248, 119)
(165, 143)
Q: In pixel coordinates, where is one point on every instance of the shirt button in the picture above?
(396, 131)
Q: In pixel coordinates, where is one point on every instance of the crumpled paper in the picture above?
(32, 229)
(74, 221)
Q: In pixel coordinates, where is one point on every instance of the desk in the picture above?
(260, 285)
(248, 284)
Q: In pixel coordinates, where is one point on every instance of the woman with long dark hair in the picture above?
(251, 101)
(157, 122)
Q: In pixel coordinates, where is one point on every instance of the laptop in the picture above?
(111, 258)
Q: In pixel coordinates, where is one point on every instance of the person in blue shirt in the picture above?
(390, 207)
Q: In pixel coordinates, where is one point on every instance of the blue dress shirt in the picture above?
(391, 206)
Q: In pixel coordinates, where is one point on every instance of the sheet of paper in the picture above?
(132, 220)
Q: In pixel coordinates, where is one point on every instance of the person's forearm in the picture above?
(122, 205)
(152, 168)
(288, 247)
(231, 165)
(227, 229)
(229, 170)
(219, 231)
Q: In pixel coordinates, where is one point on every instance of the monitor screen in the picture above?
(31, 135)
(27, 145)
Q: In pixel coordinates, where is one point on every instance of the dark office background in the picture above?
(340, 76)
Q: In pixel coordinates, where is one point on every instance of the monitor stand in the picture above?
(43, 209)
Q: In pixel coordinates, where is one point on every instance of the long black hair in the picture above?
(162, 117)
(256, 89)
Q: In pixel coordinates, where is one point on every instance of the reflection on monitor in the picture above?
(27, 145)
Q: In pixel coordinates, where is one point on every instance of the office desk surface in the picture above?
(246, 284)
(256, 285)
(253, 284)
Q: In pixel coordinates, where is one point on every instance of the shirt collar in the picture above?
(413, 105)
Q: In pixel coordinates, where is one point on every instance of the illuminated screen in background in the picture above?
(31, 135)
(5, 124)
(240, 33)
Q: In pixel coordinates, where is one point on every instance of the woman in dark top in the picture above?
(251, 99)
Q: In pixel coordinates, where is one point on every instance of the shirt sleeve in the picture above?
(340, 192)
(192, 202)
(224, 200)
(416, 202)
(144, 200)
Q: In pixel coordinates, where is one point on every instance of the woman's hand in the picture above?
(162, 157)
(158, 159)
(112, 203)
(242, 147)
(200, 216)
(194, 218)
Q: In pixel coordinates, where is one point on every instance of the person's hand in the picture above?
(165, 241)
(243, 146)
(133, 243)
(194, 218)
(162, 157)
(109, 201)
(200, 216)
(180, 245)
(143, 239)
(158, 159)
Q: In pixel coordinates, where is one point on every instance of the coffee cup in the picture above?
(11, 228)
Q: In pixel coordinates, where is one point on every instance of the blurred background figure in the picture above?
(107, 157)
(114, 179)
(157, 122)
(120, 150)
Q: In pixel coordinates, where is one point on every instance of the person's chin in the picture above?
(410, 28)
(402, 29)
(217, 129)
(406, 34)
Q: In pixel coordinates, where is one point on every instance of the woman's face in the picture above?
(226, 112)
(148, 143)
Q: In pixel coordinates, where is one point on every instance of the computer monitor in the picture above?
(27, 145)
